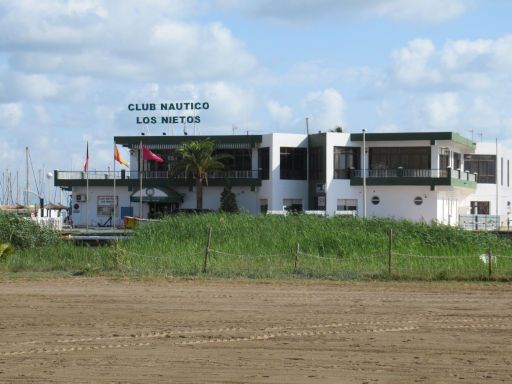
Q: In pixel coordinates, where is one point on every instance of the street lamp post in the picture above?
(364, 173)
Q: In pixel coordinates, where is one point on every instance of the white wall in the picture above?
(338, 188)
(276, 190)
(489, 192)
(246, 199)
(89, 208)
(398, 202)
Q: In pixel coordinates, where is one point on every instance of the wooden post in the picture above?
(207, 250)
(390, 249)
(296, 258)
(489, 255)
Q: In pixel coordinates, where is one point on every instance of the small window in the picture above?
(346, 205)
(263, 205)
(375, 200)
(105, 206)
(480, 207)
(418, 200)
(292, 205)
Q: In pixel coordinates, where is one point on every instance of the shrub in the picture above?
(24, 233)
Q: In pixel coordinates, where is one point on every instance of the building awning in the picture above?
(157, 195)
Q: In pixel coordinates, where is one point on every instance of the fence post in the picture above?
(207, 250)
(390, 249)
(296, 258)
(489, 255)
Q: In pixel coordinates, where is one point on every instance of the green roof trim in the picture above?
(129, 141)
(171, 196)
(415, 136)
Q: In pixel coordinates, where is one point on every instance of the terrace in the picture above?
(251, 178)
(404, 176)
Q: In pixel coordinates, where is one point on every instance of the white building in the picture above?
(420, 176)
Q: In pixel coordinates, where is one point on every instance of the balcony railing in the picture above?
(122, 175)
(416, 173)
(401, 172)
(464, 175)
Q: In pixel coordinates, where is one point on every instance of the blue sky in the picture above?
(69, 69)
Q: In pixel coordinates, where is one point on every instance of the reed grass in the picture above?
(266, 247)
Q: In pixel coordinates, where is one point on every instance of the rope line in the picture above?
(240, 255)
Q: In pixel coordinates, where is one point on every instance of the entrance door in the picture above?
(157, 210)
(126, 211)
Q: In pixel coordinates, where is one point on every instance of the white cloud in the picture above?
(325, 109)
(442, 110)
(426, 11)
(11, 115)
(478, 56)
(412, 64)
(458, 65)
(281, 115)
(89, 39)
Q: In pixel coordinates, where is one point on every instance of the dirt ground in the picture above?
(75, 330)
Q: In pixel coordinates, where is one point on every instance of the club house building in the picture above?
(419, 176)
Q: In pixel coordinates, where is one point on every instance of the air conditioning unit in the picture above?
(81, 198)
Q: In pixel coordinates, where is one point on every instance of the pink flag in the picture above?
(86, 165)
(148, 155)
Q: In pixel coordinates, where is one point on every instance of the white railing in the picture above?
(345, 213)
(120, 175)
(406, 172)
(50, 222)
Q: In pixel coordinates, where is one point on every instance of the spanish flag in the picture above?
(118, 158)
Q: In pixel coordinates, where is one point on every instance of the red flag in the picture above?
(86, 165)
(148, 155)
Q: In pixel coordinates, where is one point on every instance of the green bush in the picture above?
(24, 233)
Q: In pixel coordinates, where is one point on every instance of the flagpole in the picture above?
(140, 181)
(114, 200)
(87, 191)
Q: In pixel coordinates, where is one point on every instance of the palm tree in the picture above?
(197, 159)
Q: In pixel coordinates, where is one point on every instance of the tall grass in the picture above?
(24, 233)
(276, 246)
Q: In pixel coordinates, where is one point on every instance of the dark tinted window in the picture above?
(238, 160)
(345, 158)
(483, 165)
(264, 162)
(405, 157)
(293, 163)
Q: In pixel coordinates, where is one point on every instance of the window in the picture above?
(345, 158)
(264, 162)
(238, 160)
(456, 160)
(405, 157)
(316, 164)
(480, 207)
(501, 171)
(105, 206)
(346, 205)
(418, 200)
(293, 163)
(263, 205)
(483, 165)
(292, 205)
(444, 158)
(375, 200)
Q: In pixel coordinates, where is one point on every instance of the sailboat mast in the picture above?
(27, 186)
